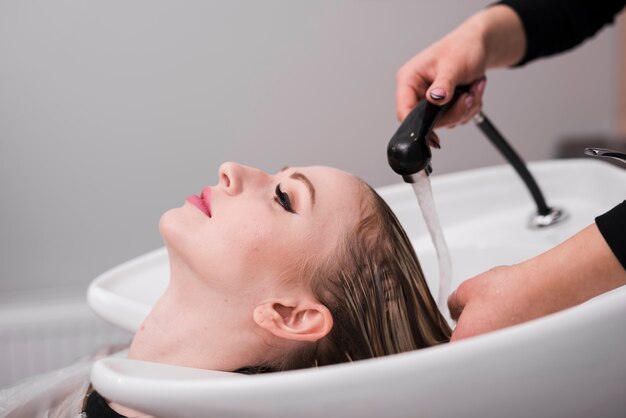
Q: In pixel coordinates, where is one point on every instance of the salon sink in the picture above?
(486, 213)
(569, 364)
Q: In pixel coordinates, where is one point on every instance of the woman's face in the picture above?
(243, 235)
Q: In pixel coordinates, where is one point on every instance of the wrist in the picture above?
(502, 34)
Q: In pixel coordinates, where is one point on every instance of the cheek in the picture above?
(262, 253)
(256, 244)
(232, 252)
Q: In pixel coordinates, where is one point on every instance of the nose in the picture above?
(234, 177)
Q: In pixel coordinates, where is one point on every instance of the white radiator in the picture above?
(43, 336)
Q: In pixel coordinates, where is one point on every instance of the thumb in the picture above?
(455, 305)
(441, 90)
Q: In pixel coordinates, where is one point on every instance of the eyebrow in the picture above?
(296, 175)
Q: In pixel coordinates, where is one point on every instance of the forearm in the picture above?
(576, 270)
(502, 34)
(582, 267)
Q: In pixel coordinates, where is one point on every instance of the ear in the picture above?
(299, 320)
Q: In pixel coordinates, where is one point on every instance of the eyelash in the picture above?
(283, 199)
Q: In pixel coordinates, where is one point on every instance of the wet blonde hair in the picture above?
(374, 287)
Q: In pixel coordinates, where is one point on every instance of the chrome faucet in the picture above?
(606, 153)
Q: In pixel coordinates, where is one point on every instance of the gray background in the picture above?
(112, 112)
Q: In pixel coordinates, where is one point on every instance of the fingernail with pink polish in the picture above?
(481, 86)
(469, 101)
(438, 94)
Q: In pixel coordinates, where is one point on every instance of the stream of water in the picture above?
(424, 194)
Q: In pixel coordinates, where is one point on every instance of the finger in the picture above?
(465, 107)
(433, 140)
(456, 304)
(409, 87)
(406, 99)
(470, 114)
(455, 113)
(477, 89)
(480, 84)
(476, 106)
(441, 90)
(472, 111)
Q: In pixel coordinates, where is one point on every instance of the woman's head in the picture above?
(375, 290)
(259, 224)
(307, 266)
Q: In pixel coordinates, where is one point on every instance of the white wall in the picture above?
(112, 112)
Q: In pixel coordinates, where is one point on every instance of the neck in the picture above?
(192, 326)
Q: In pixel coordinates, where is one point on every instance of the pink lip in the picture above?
(202, 202)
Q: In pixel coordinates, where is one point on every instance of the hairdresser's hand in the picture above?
(493, 37)
(490, 301)
(578, 269)
(433, 74)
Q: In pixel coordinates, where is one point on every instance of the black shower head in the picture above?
(408, 151)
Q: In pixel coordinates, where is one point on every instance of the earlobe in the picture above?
(305, 320)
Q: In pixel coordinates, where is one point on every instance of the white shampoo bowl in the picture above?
(570, 364)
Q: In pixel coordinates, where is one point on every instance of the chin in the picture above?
(180, 232)
(173, 228)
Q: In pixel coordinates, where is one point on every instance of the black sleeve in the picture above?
(97, 407)
(612, 226)
(554, 26)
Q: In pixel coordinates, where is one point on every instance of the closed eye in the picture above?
(283, 199)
